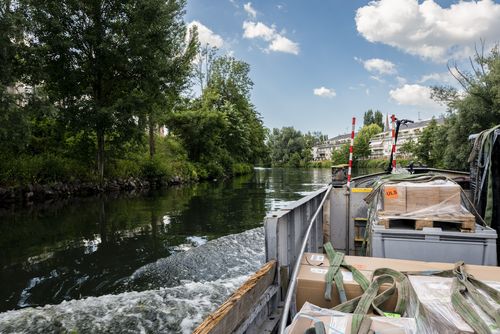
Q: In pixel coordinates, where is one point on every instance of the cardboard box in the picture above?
(311, 282)
(394, 197)
(365, 263)
(312, 277)
(449, 194)
(421, 196)
(313, 269)
(338, 322)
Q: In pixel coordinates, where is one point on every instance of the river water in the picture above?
(156, 262)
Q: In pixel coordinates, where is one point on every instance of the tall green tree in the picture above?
(373, 117)
(105, 64)
(362, 140)
(162, 55)
(474, 110)
(222, 127)
(228, 89)
(14, 130)
(288, 147)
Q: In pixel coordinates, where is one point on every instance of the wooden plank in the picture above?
(464, 221)
(240, 305)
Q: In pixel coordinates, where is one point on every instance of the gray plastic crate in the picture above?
(435, 245)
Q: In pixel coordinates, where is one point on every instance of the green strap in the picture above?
(464, 282)
(334, 274)
(336, 260)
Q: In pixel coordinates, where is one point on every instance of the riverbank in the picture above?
(55, 179)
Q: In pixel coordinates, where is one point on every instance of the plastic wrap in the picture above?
(436, 312)
(422, 204)
(340, 323)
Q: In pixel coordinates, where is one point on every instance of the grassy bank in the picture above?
(170, 165)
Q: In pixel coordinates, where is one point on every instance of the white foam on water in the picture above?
(178, 293)
(167, 310)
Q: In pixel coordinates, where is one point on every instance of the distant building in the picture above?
(324, 150)
(381, 144)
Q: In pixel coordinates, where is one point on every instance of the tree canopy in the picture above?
(474, 109)
(373, 117)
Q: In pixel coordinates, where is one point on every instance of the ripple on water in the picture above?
(182, 290)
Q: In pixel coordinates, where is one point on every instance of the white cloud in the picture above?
(207, 36)
(324, 92)
(283, 44)
(379, 66)
(441, 78)
(376, 78)
(250, 10)
(258, 30)
(277, 42)
(428, 30)
(414, 95)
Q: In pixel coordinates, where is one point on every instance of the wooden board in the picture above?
(240, 304)
(465, 222)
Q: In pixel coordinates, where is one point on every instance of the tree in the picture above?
(107, 64)
(378, 118)
(373, 117)
(477, 109)
(368, 117)
(362, 140)
(14, 130)
(162, 54)
(287, 146)
(222, 127)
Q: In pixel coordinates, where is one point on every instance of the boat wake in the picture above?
(171, 295)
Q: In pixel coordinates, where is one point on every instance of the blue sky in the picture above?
(317, 63)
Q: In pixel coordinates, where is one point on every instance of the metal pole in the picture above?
(293, 279)
(350, 153)
(393, 118)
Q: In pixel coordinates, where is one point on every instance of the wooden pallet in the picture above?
(465, 222)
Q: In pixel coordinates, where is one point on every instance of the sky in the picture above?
(315, 64)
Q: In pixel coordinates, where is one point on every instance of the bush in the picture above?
(44, 168)
(241, 169)
(156, 169)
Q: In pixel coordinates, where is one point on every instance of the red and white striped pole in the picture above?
(393, 119)
(349, 171)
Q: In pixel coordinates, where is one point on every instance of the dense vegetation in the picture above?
(472, 110)
(291, 148)
(85, 88)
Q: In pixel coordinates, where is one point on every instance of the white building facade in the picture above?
(381, 144)
(324, 151)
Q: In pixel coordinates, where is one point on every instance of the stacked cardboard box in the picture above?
(394, 198)
(410, 197)
(313, 269)
(338, 322)
(312, 276)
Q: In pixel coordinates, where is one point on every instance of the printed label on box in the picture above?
(317, 257)
(391, 193)
(347, 276)
(319, 270)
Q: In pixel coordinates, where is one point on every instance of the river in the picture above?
(140, 263)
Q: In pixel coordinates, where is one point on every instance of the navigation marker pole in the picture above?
(350, 153)
(393, 119)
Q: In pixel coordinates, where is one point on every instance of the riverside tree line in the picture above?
(471, 109)
(85, 87)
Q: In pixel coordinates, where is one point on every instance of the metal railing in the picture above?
(289, 233)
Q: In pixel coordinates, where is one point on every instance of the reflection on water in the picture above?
(69, 250)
